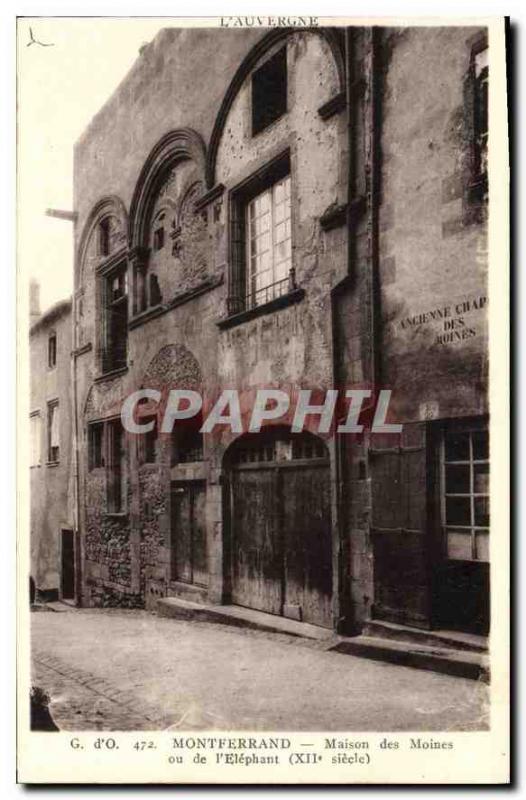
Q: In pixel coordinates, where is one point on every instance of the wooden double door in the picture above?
(188, 532)
(281, 531)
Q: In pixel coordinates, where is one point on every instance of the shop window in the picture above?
(465, 494)
(115, 296)
(53, 438)
(52, 350)
(269, 91)
(35, 428)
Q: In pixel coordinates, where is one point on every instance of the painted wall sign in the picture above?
(456, 321)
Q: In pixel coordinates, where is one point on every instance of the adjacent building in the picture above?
(50, 422)
(286, 208)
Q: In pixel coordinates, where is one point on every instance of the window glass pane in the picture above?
(278, 192)
(269, 251)
(458, 511)
(281, 232)
(280, 212)
(457, 479)
(481, 478)
(480, 445)
(481, 511)
(482, 545)
(457, 446)
(458, 545)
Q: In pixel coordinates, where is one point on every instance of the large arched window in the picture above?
(165, 261)
(103, 271)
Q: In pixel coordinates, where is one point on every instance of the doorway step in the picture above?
(240, 617)
(448, 652)
(464, 655)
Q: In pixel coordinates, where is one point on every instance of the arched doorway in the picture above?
(280, 525)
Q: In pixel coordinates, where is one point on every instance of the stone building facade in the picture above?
(311, 215)
(51, 481)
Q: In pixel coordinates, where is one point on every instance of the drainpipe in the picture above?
(375, 80)
(344, 605)
(76, 475)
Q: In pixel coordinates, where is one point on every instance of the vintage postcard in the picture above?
(263, 518)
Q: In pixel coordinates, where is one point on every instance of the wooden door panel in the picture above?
(182, 534)
(308, 544)
(199, 545)
(68, 565)
(257, 557)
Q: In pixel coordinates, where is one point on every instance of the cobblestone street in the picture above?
(130, 670)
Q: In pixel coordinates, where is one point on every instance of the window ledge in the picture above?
(184, 297)
(333, 106)
(146, 316)
(85, 348)
(112, 373)
(295, 296)
(52, 463)
(116, 514)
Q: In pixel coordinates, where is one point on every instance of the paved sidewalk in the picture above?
(129, 670)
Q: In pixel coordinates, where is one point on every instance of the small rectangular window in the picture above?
(269, 91)
(465, 494)
(35, 425)
(95, 445)
(53, 433)
(52, 350)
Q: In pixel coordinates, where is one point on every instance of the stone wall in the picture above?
(433, 259)
(51, 484)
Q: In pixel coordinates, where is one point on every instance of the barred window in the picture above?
(269, 244)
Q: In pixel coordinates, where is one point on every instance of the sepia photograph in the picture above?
(258, 299)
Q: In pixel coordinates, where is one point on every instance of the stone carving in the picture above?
(192, 240)
(174, 365)
(103, 399)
